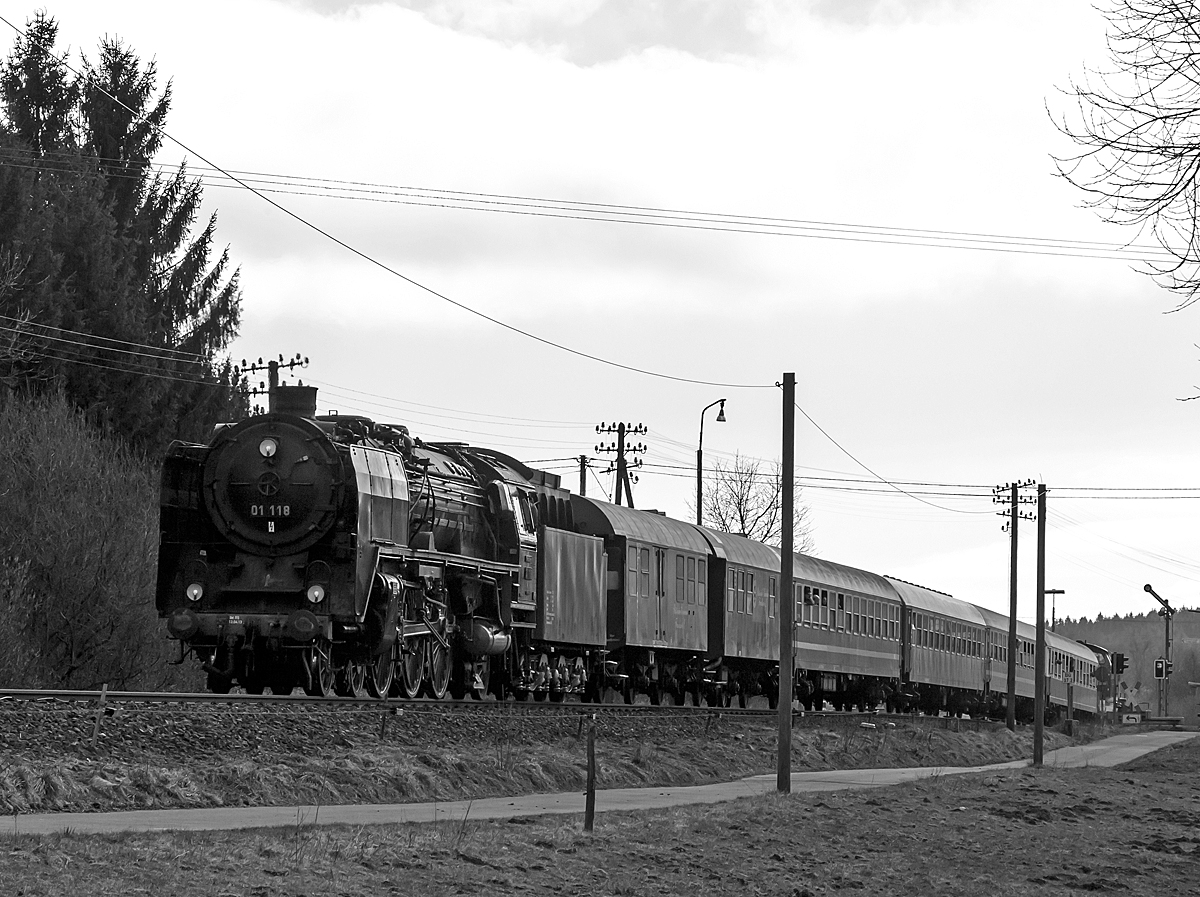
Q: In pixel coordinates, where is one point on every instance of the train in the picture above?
(342, 555)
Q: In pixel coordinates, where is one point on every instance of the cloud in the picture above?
(592, 32)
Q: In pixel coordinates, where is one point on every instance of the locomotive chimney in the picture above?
(300, 401)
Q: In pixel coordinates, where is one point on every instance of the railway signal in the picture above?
(1164, 689)
(1119, 664)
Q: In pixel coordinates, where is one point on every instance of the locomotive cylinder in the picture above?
(484, 638)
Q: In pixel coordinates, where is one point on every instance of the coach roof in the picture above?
(599, 518)
(928, 601)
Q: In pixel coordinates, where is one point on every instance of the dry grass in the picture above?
(1027, 832)
(337, 758)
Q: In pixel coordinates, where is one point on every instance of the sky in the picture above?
(402, 267)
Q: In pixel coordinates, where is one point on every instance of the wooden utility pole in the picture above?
(583, 466)
(272, 368)
(1013, 513)
(621, 449)
(787, 599)
(1039, 655)
(1010, 715)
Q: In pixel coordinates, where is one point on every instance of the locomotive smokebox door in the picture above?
(273, 484)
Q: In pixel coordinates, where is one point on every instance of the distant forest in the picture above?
(1142, 640)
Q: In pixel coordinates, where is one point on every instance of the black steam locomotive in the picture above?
(342, 555)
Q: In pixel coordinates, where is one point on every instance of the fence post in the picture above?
(589, 811)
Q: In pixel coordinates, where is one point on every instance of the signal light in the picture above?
(195, 591)
(1160, 669)
(1119, 664)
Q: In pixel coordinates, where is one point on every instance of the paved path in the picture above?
(1109, 752)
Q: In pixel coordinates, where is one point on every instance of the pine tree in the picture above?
(98, 242)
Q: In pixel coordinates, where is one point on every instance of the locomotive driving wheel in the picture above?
(412, 667)
(439, 669)
(318, 658)
(352, 680)
(383, 673)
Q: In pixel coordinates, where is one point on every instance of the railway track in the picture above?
(104, 700)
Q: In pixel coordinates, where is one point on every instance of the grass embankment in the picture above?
(1029, 832)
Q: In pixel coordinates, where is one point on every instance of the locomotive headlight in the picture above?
(268, 447)
(316, 593)
(195, 591)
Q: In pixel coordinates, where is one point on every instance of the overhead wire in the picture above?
(181, 356)
(370, 259)
(283, 184)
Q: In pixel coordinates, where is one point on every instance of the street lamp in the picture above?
(700, 459)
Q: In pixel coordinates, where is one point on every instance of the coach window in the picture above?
(702, 582)
(731, 597)
(824, 609)
(633, 571)
(691, 580)
(841, 612)
(772, 598)
(750, 593)
(679, 587)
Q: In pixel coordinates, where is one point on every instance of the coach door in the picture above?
(644, 594)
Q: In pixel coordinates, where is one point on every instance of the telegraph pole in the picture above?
(583, 466)
(1039, 656)
(787, 598)
(621, 449)
(1015, 514)
(272, 368)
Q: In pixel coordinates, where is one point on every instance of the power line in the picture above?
(370, 259)
(845, 452)
(184, 357)
(363, 191)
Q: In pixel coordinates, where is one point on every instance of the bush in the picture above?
(78, 544)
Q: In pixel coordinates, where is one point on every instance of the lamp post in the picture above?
(700, 460)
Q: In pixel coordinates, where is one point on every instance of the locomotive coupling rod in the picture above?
(437, 635)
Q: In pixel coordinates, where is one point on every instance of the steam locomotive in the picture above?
(342, 555)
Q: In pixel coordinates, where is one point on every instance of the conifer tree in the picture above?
(102, 244)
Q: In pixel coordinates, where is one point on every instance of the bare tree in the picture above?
(1138, 127)
(741, 497)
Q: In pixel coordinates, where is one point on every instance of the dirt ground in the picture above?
(1132, 830)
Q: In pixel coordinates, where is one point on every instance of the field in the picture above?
(1132, 830)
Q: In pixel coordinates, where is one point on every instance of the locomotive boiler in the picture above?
(342, 555)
